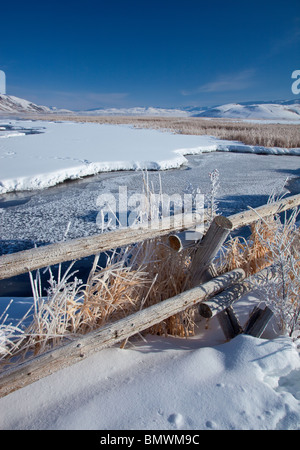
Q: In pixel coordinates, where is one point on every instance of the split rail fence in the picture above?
(214, 294)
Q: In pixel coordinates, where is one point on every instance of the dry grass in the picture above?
(139, 277)
(252, 255)
(261, 134)
(133, 279)
(169, 272)
(257, 253)
(274, 245)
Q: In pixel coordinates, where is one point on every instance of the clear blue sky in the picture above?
(88, 54)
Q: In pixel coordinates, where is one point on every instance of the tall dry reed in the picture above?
(259, 134)
(274, 244)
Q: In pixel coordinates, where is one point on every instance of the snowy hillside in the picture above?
(11, 104)
(279, 110)
(141, 111)
(269, 111)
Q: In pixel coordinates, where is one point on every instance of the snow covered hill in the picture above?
(269, 111)
(141, 111)
(277, 110)
(11, 104)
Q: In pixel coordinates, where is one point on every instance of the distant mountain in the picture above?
(10, 104)
(143, 111)
(283, 110)
(275, 110)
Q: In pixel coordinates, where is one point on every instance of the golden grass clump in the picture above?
(112, 292)
(274, 245)
(133, 278)
(169, 272)
(139, 277)
(252, 255)
(259, 251)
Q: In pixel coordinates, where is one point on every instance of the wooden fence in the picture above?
(214, 294)
(28, 260)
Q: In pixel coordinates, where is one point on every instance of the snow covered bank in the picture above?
(200, 383)
(167, 384)
(73, 150)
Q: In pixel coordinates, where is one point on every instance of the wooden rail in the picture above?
(235, 221)
(222, 306)
(36, 258)
(68, 354)
(28, 260)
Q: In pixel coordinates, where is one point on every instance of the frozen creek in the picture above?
(69, 210)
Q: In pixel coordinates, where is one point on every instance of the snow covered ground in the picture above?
(62, 151)
(200, 383)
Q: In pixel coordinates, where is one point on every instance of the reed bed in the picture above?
(260, 134)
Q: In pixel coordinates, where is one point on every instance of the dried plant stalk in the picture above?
(276, 245)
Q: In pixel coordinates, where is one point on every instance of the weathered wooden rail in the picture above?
(235, 221)
(68, 354)
(229, 287)
(36, 258)
(29, 260)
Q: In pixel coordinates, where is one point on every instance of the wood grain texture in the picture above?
(73, 352)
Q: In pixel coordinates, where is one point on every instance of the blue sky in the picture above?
(88, 54)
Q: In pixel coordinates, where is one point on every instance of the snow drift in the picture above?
(167, 384)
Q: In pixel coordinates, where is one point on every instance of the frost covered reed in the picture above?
(275, 244)
(132, 278)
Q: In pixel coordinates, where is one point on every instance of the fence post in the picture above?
(258, 321)
(209, 247)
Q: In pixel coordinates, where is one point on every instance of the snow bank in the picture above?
(73, 150)
(200, 383)
(167, 384)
